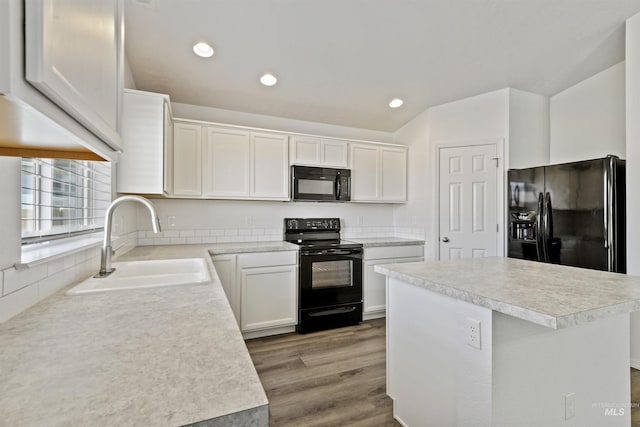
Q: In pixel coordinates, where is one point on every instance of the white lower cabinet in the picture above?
(262, 289)
(268, 297)
(374, 284)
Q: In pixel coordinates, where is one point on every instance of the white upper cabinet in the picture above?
(365, 172)
(270, 166)
(226, 162)
(74, 55)
(239, 164)
(313, 151)
(187, 160)
(393, 174)
(378, 173)
(147, 135)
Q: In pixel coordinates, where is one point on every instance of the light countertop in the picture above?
(164, 357)
(246, 247)
(546, 294)
(369, 242)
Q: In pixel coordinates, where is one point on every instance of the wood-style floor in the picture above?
(337, 378)
(328, 378)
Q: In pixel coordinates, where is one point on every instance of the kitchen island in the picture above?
(167, 356)
(506, 342)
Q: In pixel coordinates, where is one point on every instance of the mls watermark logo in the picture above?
(613, 412)
(615, 409)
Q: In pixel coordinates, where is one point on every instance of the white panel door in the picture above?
(393, 174)
(227, 155)
(468, 203)
(269, 166)
(187, 159)
(365, 172)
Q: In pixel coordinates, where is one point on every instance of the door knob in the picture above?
(445, 239)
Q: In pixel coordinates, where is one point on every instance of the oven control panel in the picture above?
(291, 224)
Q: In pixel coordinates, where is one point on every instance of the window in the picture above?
(63, 197)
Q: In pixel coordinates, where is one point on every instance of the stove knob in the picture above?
(292, 224)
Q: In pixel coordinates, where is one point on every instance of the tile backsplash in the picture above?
(238, 235)
(23, 287)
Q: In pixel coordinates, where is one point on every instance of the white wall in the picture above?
(416, 213)
(632, 65)
(480, 117)
(588, 119)
(528, 130)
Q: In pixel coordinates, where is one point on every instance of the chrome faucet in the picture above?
(107, 250)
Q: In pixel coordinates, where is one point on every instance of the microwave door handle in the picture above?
(338, 187)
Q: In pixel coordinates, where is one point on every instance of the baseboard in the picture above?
(268, 332)
(371, 316)
(635, 363)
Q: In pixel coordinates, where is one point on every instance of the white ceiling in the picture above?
(342, 61)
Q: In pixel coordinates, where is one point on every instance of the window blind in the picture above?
(63, 197)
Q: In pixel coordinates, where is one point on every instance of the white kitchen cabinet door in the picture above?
(335, 154)
(75, 56)
(313, 151)
(374, 286)
(226, 268)
(187, 159)
(147, 132)
(393, 174)
(305, 150)
(365, 172)
(269, 166)
(227, 161)
(378, 173)
(167, 160)
(269, 297)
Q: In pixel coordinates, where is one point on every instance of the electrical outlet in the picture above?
(569, 406)
(171, 221)
(472, 333)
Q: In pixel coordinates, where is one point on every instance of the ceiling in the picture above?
(342, 61)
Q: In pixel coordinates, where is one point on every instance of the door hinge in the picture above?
(497, 228)
(497, 159)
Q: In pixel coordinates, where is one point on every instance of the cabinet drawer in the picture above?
(264, 259)
(382, 252)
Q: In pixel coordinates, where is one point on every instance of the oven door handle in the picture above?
(330, 312)
(330, 252)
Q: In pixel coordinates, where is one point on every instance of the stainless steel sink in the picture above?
(147, 274)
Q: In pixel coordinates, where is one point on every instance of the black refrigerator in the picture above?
(570, 214)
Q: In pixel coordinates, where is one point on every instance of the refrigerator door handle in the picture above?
(609, 214)
(540, 228)
(547, 221)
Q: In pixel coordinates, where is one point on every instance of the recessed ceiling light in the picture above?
(268, 79)
(203, 49)
(395, 103)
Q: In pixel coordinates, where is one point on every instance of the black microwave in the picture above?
(320, 184)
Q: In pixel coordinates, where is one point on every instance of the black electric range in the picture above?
(329, 274)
